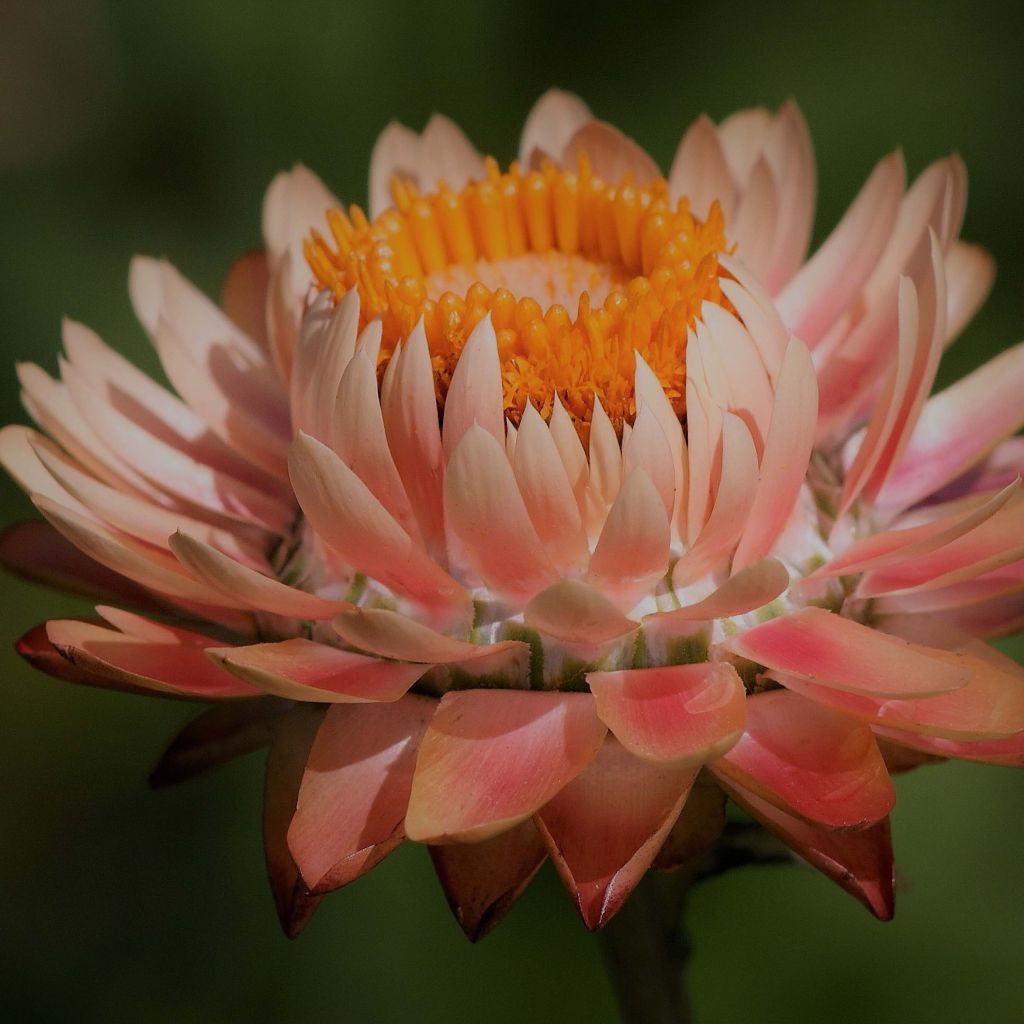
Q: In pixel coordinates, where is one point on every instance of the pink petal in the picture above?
(574, 613)
(246, 586)
(700, 171)
(736, 493)
(296, 202)
(859, 862)
(756, 220)
(990, 706)
(743, 135)
(485, 511)
(751, 588)
(244, 296)
(677, 716)
(758, 313)
(482, 880)
(970, 273)
(605, 468)
(605, 827)
(957, 428)
(809, 761)
(786, 456)
(285, 768)
(632, 550)
(547, 494)
(492, 758)
(349, 519)
(612, 155)
(832, 651)
(474, 395)
(552, 121)
(147, 565)
(414, 437)
(831, 279)
(1008, 752)
(388, 634)
(395, 154)
(36, 552)
(303, 670)
(355, 790)
(174, 665)
(216, 736)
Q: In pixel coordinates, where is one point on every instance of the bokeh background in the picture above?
(154, 127)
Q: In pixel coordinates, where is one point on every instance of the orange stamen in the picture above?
(528, 249)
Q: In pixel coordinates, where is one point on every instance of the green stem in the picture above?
(646, 949)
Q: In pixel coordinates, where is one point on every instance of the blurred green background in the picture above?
(154, 127)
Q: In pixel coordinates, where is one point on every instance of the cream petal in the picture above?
(612, 155)
(296, 201)
(551, 123)
(474, 395)
(700, 171)
(970, 274)
(751, 588)
(574, 613)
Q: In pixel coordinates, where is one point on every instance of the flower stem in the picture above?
(646, 949)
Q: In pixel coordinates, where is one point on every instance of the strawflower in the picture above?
(534, 512)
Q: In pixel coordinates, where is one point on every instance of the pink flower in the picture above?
(569, 500)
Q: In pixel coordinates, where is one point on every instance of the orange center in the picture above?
(577, 275)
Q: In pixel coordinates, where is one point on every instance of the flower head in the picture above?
(534, 512)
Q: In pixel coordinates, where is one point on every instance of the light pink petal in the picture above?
(957, 428)
(736, 493)
(492, 758)
(996, 542)
(395, 154)
(612, 155)
(831, 279)
(786, 455)
(758, 313)
(446, 155)
(881, 550)
(605, 469)
(351, 521)
(647, 449)
(680, 715)
(19, 457)
(756, 221)
(860, 862)
(295, 203)
(484, 510)
(361, 441)
(809, 761)
(147, 565)
(246, 586)
(632, 550)
(176, 665)
(990, 706)
(570, 450)
(391, 635)
(751, 588)
(300, 669)
(700, 172)
(604, 829)
(836, 652)
(244, 296)
(743, 135)
(970, 273)
(355, 790)
(551, 123)
(574, 613)
(651, 395)
(140, 518)
(790, 155)
(704, 402)
(474, 395)
(410, 419)
(482, 880)
(547, 494)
